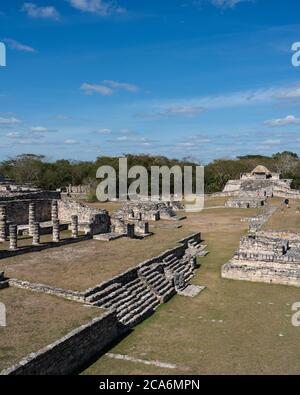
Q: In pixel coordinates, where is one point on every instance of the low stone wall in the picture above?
(264, 272)
(70, 353)
(36, 287)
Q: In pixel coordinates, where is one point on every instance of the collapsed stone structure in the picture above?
(253, 189)
(271, 257)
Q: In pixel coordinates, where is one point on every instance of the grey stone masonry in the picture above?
(130, 231)
(56, 231)
(54, 210)
(36, 234)
(74, 226)
(2, 222)
(31, 217)
(271, 257)
(13, 237)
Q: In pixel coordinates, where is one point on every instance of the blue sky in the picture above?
(199, 78)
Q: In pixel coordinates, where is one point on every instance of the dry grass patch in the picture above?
(35, 320)
(286, 219)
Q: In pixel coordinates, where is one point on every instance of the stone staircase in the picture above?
(133, 301)
(154, 284)
(180, 266)
(198, 248)
(154, 277)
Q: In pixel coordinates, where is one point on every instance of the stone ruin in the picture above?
(270, 257)
(135, 294)
(149, 211)
(3, 281)
(253, 189)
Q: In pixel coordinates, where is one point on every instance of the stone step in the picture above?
(169, 258)
(159, 283)
(126, 308)
(118, 304)
(98, 295)
(138, 309)
(155, 279)
(129, 311)
(151, 275)
(134, 287)
(142, 315)
(109, 300)
(164, 289)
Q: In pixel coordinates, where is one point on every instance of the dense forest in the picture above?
(36, 170)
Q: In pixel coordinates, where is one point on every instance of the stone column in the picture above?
(56, 231)
(54, 210)
(74, 226)
(13, 237)
(3, 232)
(36, 234)
(32, 219)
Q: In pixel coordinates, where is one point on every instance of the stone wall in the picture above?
(98, 219)
(70, 353)
(266, 257)
(18, 210)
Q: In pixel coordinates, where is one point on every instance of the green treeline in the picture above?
(36, 170)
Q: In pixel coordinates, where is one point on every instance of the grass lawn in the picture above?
(231, 328)
(35, 320)
(285, 218)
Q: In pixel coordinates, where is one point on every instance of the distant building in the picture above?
(252, 189)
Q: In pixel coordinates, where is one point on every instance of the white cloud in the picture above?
(34, 11)
(99, 7)
(18, 46)
(70, 142)
(272, 142)
(220, 3)
(289, 120)
(92, 88)
(121, 85)
(227, 3)
(9, 121)
(108, 87)
(39, 129)
(188, 111)
(13, 135)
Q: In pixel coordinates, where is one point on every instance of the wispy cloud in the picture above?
(13, 44)
(220, 3)
(108, 87)
(34, 11)
(9, 121)
(99, 7)
(89, 89)
(289, 120)
(70, 142)
(188, 111)
(40, 130)
(121, 85)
